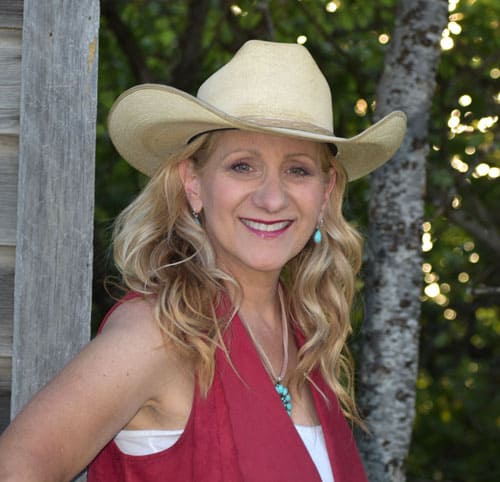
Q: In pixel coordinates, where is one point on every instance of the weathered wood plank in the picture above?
(11, 13)
(5, 393)
(7, 261)
(5, 404)
(9, 153)
(9, 117)
(52, 297)
(10, 80)
(10, 92)
(10, 57)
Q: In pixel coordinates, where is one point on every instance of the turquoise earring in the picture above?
(317, 236)
(196, 217)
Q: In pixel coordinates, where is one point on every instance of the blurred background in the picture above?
(457, 429)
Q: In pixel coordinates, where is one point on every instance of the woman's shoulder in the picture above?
(131, 330)
(131, 305)
(142, 349)
(131, 326)
(133, 317)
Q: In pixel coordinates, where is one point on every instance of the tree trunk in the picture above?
(389, 351)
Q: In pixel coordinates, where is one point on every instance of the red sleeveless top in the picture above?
(240, 433)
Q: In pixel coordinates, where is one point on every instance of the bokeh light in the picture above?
(332, 7)
(236, 9)
(361, 107)
(384, 38)
(465, 100)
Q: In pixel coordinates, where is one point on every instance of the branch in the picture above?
(126, 41)
(185, 74)
(486, 291)
(264, 8)
(487, 234)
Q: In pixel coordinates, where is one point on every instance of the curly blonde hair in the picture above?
(163, 254)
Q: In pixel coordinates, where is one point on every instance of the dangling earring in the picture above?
(196, 217)
(317, 237)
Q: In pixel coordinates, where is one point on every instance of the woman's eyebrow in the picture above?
(300, 154)
(242, 150)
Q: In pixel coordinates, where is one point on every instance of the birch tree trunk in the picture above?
(389, 351)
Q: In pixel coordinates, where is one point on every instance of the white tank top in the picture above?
(145, 442)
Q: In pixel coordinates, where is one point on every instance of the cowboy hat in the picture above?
(266, 87)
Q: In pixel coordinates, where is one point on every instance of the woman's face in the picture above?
(262, 197)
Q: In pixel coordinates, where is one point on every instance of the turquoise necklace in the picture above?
(281, 389)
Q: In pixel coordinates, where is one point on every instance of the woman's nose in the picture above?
(271, 194)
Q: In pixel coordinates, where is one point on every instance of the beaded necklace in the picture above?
(282, 390)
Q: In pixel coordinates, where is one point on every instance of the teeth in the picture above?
(266, 227)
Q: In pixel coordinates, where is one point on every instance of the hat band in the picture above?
(265, 122)
(210, 131)
(286, 124)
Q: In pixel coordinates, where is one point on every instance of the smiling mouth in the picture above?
(266, 227)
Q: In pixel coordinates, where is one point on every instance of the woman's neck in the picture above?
(259, 299)
(260, 305)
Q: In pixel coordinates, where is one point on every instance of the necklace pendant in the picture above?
(284, 394)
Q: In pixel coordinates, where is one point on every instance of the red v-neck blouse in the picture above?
(240, 432)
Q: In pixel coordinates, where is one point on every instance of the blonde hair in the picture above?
(164, 255)
(321, 282)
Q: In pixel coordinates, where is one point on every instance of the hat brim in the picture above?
(149, 122)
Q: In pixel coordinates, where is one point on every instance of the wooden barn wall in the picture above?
(11, 18)
(55, 206)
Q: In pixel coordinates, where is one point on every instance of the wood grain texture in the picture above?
(9, 153)
(7, 261)
(10, 80)
(52, 297)
(11, 13)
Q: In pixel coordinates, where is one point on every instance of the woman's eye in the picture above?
(242, 167)
(298, 171)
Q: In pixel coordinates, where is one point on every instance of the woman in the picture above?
(226, 361)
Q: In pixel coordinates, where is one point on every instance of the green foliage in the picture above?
(457, 426)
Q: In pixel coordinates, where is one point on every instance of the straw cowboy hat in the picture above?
(266, 87)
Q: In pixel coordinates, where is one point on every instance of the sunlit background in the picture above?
(457, 430)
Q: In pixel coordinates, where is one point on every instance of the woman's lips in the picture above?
(266, 229)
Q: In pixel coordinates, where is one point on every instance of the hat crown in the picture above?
(280, 84)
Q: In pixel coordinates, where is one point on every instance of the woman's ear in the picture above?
(332, 178)
(191, 182)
